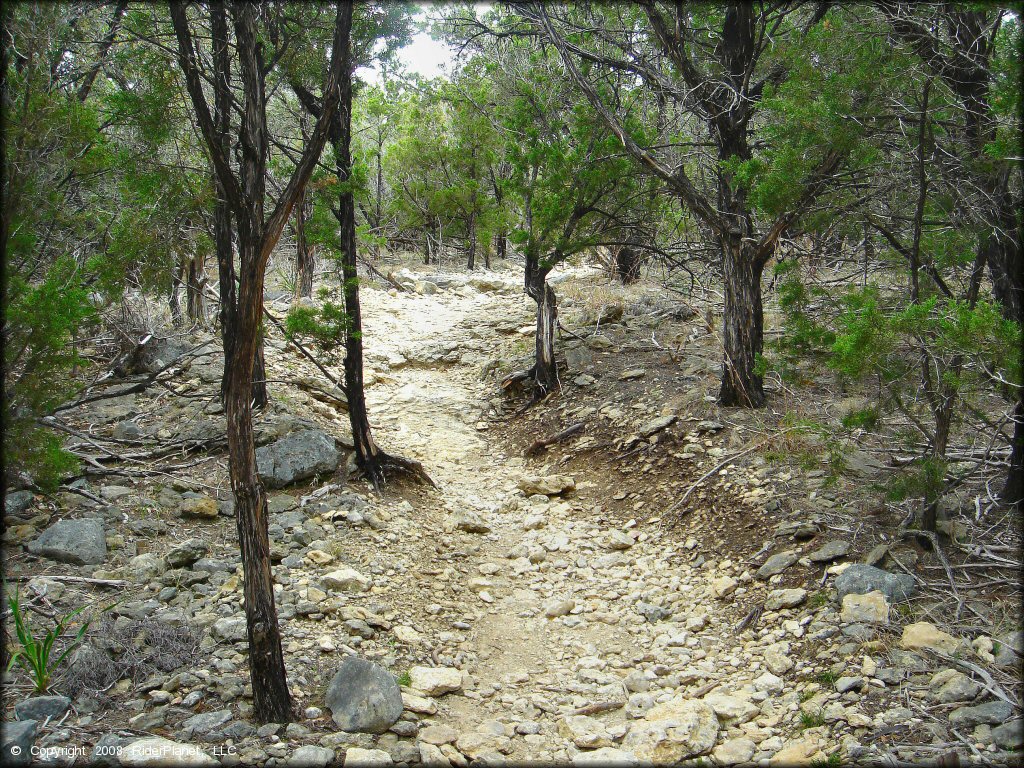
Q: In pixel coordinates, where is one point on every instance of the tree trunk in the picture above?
(194, 290)
(545, 370)
(271, 698)
(471, 246)
(1013, 489)
(173, 299)
(627, 265)
(743, 324)
(502, 245)
(368, 455)
(304, 262)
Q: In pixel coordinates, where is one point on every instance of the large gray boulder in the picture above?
(364, 697)
(79, 542)
(295, 457)
(859, 579)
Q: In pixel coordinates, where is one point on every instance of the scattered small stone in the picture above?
(830, 551)
(551, 485)
(777, 564)
(357, 757)
(199, 507)
(926, 636)
(785, 598)
(347, 580)
(558, 608)
(435, 681)
(871, 608)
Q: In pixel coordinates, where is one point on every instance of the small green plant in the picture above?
(807, 695)
(827, 678)
(817, 600)
(832, 761)
(811, 720)
(404, 679)
(35, 656)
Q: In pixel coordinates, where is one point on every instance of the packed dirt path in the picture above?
(574, 634)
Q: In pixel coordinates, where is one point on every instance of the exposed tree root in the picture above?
(384, 465)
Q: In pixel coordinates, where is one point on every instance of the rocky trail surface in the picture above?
(522, 622)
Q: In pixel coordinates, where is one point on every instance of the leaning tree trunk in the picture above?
(743, 323)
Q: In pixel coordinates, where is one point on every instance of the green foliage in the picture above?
(36, 655)
(325, 326)
(924, 479)
(404, 679)
(811, 720)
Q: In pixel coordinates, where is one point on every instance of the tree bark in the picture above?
(194, 290)
(304, 261)
(545, 369)
(173, 298)
(627, 265)
(471, 247)
(743, 325)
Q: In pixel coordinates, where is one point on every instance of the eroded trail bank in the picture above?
(526, 621)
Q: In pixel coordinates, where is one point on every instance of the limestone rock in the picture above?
(297, 456)
(830, 551)
(777, 563)
(347, 580)
(785, 598)
(870, 608)
(605, 756)
(357, 757)
(364, 697)
(550, 485)
(776, 658)
(734, 751)
(989, 713)
(860, 579)
(231, 628)
(950, 685)
(926, 636)
(186, 553)
(146, 566)
(311, 756)
(435, 681)
(672, 731)
(585, 732)
(802, 751)
(79, 542)
(723, 586)
(199, 507)
(731, 710)
(207, 721)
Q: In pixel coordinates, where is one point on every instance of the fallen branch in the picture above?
(546, 442)
(73, 579)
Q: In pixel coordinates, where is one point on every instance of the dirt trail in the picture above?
(550, 620)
